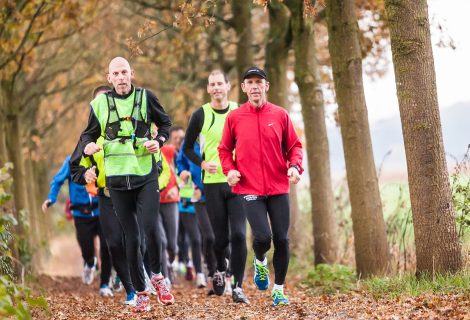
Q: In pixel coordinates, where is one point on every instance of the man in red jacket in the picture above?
(268, 155)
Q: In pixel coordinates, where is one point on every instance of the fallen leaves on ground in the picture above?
(69, 298)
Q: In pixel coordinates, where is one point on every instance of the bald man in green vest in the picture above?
(123, 117)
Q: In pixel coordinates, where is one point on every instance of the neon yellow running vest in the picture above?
(123, 125)
(210, 137)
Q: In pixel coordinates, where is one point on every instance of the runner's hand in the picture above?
(91, 148)
(294, 175)
(152, 146)
(46, 204)
(233, 177)
(90, 175)
(209, 166)
(184, 175)
(172, 193)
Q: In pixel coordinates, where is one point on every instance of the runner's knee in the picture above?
(262, 241)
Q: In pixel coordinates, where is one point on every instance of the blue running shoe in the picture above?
(261, 276)
(131, 299)
(279, 299)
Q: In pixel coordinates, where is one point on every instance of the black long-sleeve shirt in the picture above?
(192, 133)
(92, 132)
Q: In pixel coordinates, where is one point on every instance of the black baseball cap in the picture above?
(255, 71)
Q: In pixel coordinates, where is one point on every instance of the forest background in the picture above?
(53, 53)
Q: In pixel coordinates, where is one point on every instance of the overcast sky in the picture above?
(452, 66)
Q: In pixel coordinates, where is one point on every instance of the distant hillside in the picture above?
(387, 136)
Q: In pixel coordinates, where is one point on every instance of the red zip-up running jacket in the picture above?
(265, 144)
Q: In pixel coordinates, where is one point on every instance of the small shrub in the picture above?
(330, 279)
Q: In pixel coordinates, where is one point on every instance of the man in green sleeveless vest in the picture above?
(224, 207)
(123, 117)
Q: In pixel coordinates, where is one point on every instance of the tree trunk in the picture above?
(3, 147)
(311, 97)
(437, 245)
(242, 22)
(3, 132)
(20, 196)
(277, 49)
(34, 215)
(370, 240)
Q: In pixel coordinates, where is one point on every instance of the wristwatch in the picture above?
(296, 166)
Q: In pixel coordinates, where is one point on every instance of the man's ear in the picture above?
(132, 73)
(267, 86)
(109, 79)
(243, 87)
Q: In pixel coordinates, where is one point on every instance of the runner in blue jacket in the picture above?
(85, 215)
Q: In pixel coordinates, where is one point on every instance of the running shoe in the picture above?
(163, 292)
(131, 299)
(218, 282)
(261, 276)
(210, 289)
(279, 298)
(117, 284)
(181, 269)
(142, 303)
(149, 285)
(105, 291)
(238, 296)
(201, 280)
(228, 285)
(189, 276)
(89, 272)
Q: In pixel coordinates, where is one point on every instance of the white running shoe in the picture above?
(89, 273)
(106, 291)
(148, 285)
(131, 299)
(228, 286)
(117, 284)
(201, 280)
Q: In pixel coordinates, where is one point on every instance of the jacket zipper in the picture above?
(261, 152)
(128, 183)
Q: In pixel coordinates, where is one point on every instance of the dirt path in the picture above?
(68, 298)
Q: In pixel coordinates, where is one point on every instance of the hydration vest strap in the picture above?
(113, 116)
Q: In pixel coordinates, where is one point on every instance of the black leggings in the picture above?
(87, 229)
(208, 237)
(183, 244)
(191, 227)
(140, 207)
(228, 223)
(114, 236)
(257, 209)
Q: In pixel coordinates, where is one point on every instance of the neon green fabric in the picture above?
(211, 133)
(99, 159)
(165, 175)
(121, 158)
(187, 189)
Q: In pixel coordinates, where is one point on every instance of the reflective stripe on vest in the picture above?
(123, 155)
(211, 134)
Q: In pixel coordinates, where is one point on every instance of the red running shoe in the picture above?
(164, 295)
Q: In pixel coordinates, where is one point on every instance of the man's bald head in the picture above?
(118, 61)
(120, 75)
